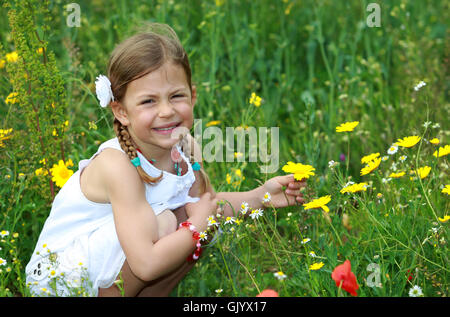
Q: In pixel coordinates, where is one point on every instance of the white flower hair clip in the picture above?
(103, 90)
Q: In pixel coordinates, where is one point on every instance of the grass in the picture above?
(316, 64)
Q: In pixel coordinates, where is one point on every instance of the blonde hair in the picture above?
(136, 57)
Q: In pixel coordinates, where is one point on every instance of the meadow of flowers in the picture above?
(361, 112)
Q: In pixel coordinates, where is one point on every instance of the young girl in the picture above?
(126, 221)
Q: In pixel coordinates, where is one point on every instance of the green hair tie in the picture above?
(136, 161)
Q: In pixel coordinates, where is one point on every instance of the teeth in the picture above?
(165, 129)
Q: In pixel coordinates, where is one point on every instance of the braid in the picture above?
(187, 145)
(126, 143)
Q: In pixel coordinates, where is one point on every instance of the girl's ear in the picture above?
(194, 96)
(120, 112)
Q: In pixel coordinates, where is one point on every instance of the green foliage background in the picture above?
(316, 64)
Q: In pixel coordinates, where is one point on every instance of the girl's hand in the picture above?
(282, 198)
(206, 206)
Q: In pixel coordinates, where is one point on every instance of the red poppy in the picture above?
(410, 277)
(268, 293)
(344, 277)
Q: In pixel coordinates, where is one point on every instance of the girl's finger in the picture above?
(294, 192)
(300, 200)
(286, 179)
(297, 185)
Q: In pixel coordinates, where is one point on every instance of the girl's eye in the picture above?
(147, 101)
(178, 96)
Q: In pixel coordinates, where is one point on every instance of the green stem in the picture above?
(272, 249)
(248, 272)
(228, 270)
(418, 176)
(335, 232)
(396, 240)
(348, 154)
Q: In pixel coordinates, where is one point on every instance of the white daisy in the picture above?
(203, 236)
(436, 125)
(332, 164)
(385, 158)
(280, 275)
(312, 254)
(213, 222)
(4, 233)
(44, 290)
(244, 208)
(426, 124)
(393, 149)
(266, 198)
(415, 291)
(306, 240)
(256, 213)
(229, 220)
(419, 85)
(3, 262)
(402, 158)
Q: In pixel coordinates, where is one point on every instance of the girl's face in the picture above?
(156, 104)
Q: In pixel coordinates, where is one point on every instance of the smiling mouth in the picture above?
(166, 129)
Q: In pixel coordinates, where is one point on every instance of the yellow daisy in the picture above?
(5, 134)
(12, 98)
(319, 203)
(354, 188)
(299, 170)
(423, 171)
(60, 173)
(397, 175)
(372, 165)
(12, 57)
(347, 126)
(408, 141)
(40, 171)
(255, 100)
(212, 123)
(366, 159)
(434, 141)
(442, 151)
(446, 190)
(445, 219)
(316, 266)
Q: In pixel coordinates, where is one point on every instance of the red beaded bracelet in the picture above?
(196, 237)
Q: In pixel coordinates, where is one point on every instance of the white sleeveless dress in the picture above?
(78, 250)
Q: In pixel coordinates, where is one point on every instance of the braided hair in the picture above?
(127, 145)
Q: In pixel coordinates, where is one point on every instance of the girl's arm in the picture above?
(283, 190)
(136, 225)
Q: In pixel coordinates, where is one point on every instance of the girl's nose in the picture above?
(166, 109)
